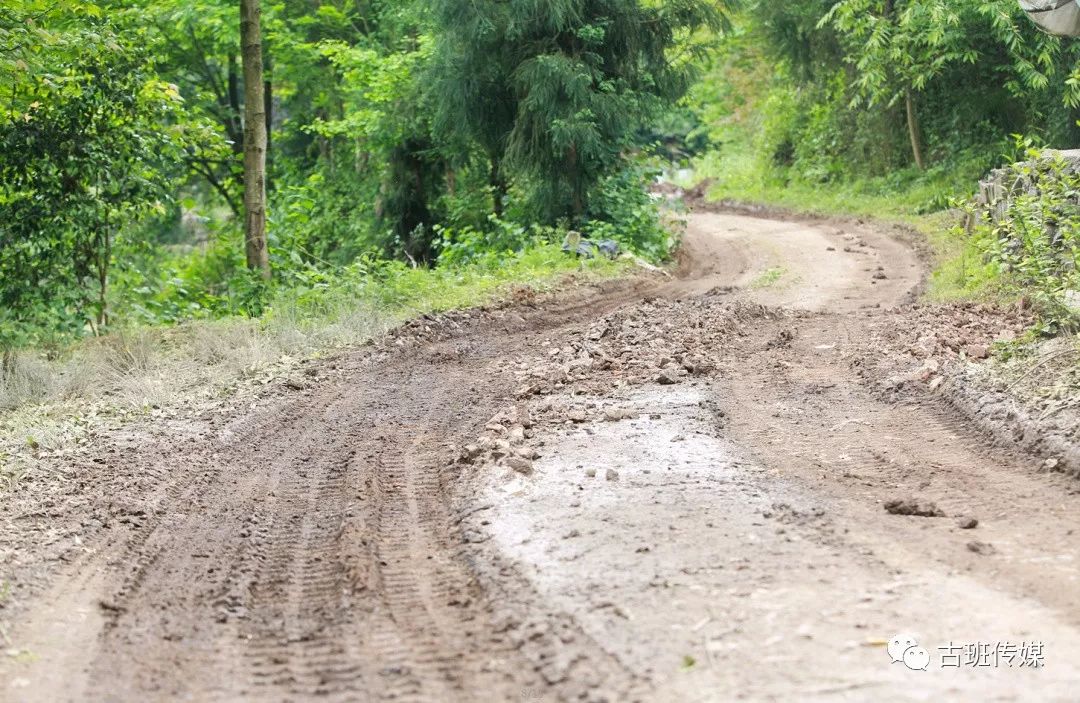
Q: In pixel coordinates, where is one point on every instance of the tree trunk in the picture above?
(913, 128)
(103, 259)
(235, 126)
(268, 105)
(577, 200)
(451, 182)
(103, 256)
(254, 138)
(498, 187)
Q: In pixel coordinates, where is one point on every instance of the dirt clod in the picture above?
(912, 506)
(667, 377)
(616, 414)
(519, 464)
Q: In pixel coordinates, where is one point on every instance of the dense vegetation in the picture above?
(452, 133)
(897, 108)
(163, 160)
(908, 98)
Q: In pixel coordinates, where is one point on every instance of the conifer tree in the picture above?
(553, 91)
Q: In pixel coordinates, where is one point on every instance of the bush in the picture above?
(1031, 238)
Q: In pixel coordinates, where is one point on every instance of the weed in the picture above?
(769, 277)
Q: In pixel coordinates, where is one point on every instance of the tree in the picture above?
(90, 139)
(258, 257)
(900, 47)
(198, 43)
(382, 113)
(554, 97)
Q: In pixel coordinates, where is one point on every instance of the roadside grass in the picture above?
(50, 402)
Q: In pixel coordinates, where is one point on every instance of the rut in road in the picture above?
(309, 548)
(326, 544)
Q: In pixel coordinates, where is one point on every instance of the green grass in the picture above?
(398, 292)
(768, 277)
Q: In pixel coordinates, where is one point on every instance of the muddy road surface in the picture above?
(666, 489)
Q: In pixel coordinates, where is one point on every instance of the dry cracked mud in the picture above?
(660, 489)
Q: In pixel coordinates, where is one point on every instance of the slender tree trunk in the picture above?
(236, 125)
(498, 187)
(451, 182)
(254, 138)
(577, 202)
(268, 105)
(913, 128)
(104, 256)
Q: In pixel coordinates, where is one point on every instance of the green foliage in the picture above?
(500, 238)
(555, 97)
(89, 140)
(403, 135)
(804, 95)
(622, 209)
(1030, 242)
(896, 45)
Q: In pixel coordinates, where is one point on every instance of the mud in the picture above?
(649, 490)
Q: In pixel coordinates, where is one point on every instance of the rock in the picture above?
(910, 506)
(983, 548)
(500, 448)
(520, 464)
(1051, 463)
(295, 384)
(469, 453)
(928, 369)
(977, 351)
(517, 434)
(667, 377)
(611, 475)
(698, 367)
(576, 416)
(527, 453)
(616, 414)
(967, 523)
(591, 473)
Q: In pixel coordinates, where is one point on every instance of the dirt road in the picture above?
(657, 490)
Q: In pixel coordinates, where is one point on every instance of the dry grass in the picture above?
(148, 367)
(49, 405)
